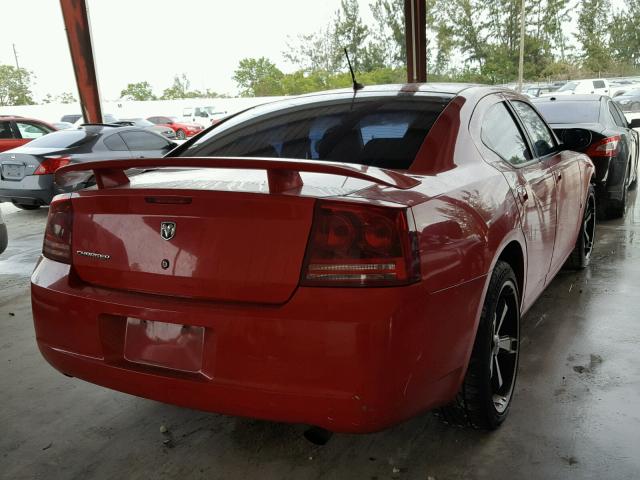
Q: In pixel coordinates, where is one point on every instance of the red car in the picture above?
(345, 260)
(182, 129)
(16, 131)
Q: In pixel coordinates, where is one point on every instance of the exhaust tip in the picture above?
(318, 435)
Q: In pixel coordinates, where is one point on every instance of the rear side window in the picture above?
(144, 141)
(541, 136)
(115, 143)
(598, 84)
(501, 134)
(378, 131)
(5, 130)
(618, 118)
(560, 111)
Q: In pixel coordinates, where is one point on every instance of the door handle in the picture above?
(521, 190)
(559, 177)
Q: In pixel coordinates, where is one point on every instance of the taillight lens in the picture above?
(57, 234)
(607, 147)
(51, 164)
(361, 245)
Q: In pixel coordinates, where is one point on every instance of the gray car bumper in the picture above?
(31, 190)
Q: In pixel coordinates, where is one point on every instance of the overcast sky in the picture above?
(136, 40)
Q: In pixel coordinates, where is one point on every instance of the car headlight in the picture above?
(623, 102)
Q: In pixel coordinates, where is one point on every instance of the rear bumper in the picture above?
(31, 190)
(348, 360)
(610, 177)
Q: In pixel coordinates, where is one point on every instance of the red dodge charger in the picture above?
(346, 260)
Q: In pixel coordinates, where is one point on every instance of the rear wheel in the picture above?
(616, 208)
(485, 397)
(23, 206)
(581, 254)
(180, 135)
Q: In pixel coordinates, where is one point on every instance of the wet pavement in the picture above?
(576, 411)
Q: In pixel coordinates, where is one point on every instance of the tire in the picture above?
(180, 135)
(23, 206)
(581, 255)
(484, 399)
(616, 208)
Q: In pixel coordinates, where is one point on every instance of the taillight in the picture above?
(360, 246)
(607, 147)
(57, 234)
(51, 164)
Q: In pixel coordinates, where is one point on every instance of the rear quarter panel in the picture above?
(465, 215)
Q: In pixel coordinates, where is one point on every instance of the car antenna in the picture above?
(356, 86)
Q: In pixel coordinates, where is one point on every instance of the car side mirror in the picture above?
(575, 138)
(634, 123)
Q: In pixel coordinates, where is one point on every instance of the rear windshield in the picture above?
(60, 139)
(378, 131)
(570, 111)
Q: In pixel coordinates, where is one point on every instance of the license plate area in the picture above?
(12, 171)
(165, 345)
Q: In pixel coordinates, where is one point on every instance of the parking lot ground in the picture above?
(576, 412)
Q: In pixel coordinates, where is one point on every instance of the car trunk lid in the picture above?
(236, 247)
(234, 230)
(15, 165)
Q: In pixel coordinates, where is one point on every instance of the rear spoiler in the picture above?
(282, 174)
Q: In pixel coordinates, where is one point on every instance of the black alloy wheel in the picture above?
(581, 254)
(485, 396)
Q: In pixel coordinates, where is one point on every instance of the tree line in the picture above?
(467, 40)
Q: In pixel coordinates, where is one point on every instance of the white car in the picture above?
(598, 86)
(203, 115)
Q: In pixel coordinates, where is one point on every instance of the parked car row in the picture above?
(346, 260)
(182, 129)
(147, 125)
(16, 131)
(26, 173)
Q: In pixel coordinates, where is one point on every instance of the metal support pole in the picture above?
(521, 59)
(76, 22)
(415, 21)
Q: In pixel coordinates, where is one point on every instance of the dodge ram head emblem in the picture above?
(167, 230)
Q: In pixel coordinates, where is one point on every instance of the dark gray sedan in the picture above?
(26, 172)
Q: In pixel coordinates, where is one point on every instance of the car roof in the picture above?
(96, 128)
(570, 98)
(448, 88)
(20, 118)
